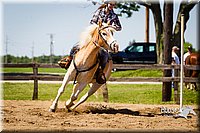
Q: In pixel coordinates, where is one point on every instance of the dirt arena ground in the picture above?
(106, 117)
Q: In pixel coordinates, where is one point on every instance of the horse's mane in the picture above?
(86, 35)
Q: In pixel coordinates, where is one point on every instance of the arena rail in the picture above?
(35, 76)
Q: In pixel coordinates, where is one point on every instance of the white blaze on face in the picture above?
(107, 35)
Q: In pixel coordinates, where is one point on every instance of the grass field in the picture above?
(30, 70)
(118, 93)
(127, 73)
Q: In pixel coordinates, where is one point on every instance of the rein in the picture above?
(113, 42)
(84, 70)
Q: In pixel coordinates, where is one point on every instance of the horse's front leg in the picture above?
(193, 86)
(105, 92)
(187, 85)
(107, 72)
(92, 90)
(60, 91)
(77, 89)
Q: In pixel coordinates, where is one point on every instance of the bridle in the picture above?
(105, 41)
(96, 44)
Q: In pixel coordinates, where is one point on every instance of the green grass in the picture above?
(17, 70)
(30, 70)
(51, 70)
(120, 93)
(138, 73)
(127, 73)
(145, 94)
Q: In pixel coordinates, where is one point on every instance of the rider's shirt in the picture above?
(101, 14)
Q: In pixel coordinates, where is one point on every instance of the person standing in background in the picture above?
(175, 60)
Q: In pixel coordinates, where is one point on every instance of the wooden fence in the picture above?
(35, 76)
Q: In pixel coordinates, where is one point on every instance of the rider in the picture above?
(104, 13)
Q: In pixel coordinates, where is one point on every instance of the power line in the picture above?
(33, 52)
(51, 47)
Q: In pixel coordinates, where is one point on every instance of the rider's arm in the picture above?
(95, 17)
(116, 24)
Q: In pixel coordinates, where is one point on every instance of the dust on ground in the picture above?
(34, 116)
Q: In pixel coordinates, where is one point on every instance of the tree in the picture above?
(185, 7)
(127, 8)
(164, 29)
(167, 34)
(170, 37)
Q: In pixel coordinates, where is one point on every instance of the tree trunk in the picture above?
(185, 9)
(167, 34)
(155, 8)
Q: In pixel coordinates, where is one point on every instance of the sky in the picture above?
(26, 26)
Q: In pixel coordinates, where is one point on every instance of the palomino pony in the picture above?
(192, 59)
(85, 63)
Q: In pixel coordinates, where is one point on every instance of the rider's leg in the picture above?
(65, 62)
(103, 56)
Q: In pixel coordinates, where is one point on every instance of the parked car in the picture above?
(137, 53)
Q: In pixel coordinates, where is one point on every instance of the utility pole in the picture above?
(147, 25)
(32, 52)
(6, 42)
(51, 48)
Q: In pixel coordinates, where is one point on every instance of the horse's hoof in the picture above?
(52, 110)
(69, 110)
(67, 106)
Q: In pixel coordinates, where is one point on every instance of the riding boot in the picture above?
(101, 79)
(103, 57)
(65, 62)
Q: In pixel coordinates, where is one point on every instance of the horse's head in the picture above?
(105, 37)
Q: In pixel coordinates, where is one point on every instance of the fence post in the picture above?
(35, 90)
(176, 93)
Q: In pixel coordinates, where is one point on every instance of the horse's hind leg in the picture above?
(193, 86)
(77, 89)
(92, 90)
(187, 85)
(105, 92)
(102, 90)
(60, 91)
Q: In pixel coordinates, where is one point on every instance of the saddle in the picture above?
(99, 75)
